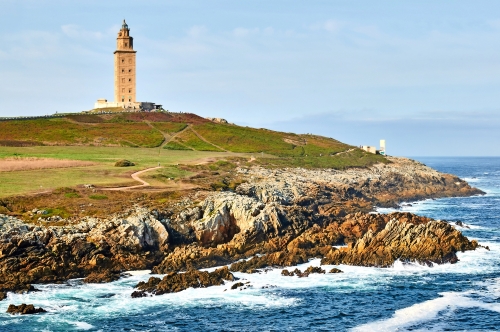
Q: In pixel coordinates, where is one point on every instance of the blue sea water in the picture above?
(459, 297)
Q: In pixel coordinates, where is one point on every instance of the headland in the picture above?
(220, 195)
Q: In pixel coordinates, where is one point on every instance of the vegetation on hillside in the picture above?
(350, 158)
(105, 139)
(173, 145)
(63, 132)
(169, 127)
(189, 138)
(244, 139)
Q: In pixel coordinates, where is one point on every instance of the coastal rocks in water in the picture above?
(183, 258)
(461, 224)
(15, 286)
(335, 270)
(24, 309)
(236, 285)
(176, 282)
(280, 217)
(407, 238)
(96, 248)
(305, 274)
(277, 259)
(101, 277)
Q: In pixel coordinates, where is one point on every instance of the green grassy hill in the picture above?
(183, 131)
(189, 149)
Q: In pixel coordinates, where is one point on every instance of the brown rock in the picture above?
(137, 294)
(101, 277)
(236, 285)
(300, 274)
(335, 270)
(286, 273)
(314, 269)
(92, 248)
(406, 237)
(176, 282)
(24, 309)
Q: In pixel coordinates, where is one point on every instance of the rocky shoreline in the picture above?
(276, 217)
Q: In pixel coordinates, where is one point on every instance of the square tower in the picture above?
(124, 67)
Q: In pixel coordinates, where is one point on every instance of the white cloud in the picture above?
(243, 32)
(197, 31)
(269, 31)
(75, 31)
(368, 31)
(331, 26)
(495, 24)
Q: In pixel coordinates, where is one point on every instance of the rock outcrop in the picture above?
(226, 214)
(24, 309)
(176, 282)
(305, 274)
(96, 249)
(276, 217)
(406, 238)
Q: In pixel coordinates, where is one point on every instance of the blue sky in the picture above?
(424, 75)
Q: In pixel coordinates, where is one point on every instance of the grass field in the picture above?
(103, 173)
(104, 139)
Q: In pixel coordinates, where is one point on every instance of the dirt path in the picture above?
(206, 141)
(168, 138)
(343, 152)
(136, 177)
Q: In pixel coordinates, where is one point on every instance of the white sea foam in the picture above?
(94, 301)
(82, 325)
(474, 179)
(71, 303)
(427, 311)
(138, 272)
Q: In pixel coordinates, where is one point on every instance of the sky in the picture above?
(423, 75)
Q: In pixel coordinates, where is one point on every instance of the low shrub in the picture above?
(98, 197)
(124, 163)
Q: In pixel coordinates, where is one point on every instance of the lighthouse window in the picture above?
(130, 70)
(130, 80)
(126, 44)
(123, 60)
(123, 70)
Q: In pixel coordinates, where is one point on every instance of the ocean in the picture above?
(406, 297)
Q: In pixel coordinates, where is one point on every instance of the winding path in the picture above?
(136, 177)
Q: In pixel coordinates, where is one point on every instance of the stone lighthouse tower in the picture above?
(125, 90)
(125, 68)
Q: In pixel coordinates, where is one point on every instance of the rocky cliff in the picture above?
(285, 215)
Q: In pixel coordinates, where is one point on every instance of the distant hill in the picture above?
(178, 131)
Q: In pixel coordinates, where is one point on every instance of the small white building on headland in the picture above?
(372, 149)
